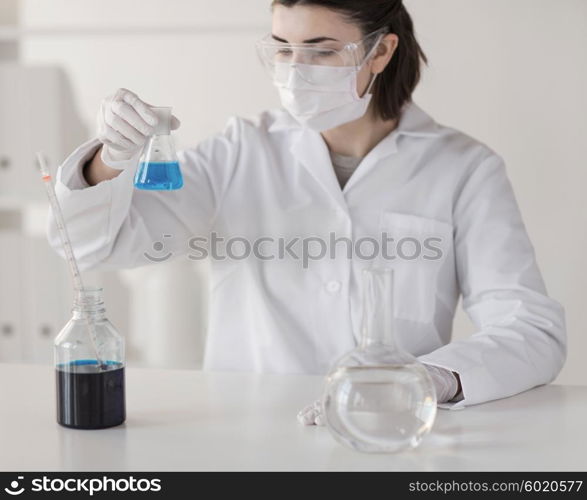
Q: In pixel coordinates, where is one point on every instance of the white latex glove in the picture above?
(125, 123)
(312, 414)
(445, 384)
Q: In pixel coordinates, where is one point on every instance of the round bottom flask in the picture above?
(377, 397)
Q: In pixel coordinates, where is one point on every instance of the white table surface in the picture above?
(181, 420)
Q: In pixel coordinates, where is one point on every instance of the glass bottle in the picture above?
(158, 166)
(89, 365)
(377, 397)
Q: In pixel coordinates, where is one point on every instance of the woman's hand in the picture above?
(446, 384)
(125, 123)
(312, 414)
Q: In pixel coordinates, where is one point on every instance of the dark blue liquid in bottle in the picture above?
(90, 397)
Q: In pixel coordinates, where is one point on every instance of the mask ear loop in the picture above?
(371, 83)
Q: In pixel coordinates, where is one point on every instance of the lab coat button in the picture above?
(333, 286)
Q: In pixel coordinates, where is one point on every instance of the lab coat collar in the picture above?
(413, 122)
(416, 122)
(311, 150)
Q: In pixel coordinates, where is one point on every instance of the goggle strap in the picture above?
(370, 53)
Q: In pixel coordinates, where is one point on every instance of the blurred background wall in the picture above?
(512, 73)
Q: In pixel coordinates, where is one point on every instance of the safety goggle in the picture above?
(274, 54)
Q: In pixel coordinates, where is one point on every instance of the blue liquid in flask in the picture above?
(159, 176)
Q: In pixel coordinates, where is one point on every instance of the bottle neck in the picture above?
(378, 318)
(88, 303)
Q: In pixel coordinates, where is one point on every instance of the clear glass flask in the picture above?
(158, 166)
(377, 397)
(89, 364)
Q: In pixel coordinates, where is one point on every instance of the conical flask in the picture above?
(158, 166)
(377, 397)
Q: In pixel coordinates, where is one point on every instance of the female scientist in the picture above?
(348, 158)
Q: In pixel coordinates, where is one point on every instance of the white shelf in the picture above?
(15, 34)
(12, 203)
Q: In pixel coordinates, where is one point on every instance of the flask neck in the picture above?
(159, 148)
(88, 303)
(378, 318)
(163, 114)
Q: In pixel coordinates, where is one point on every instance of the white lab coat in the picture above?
(267, 176)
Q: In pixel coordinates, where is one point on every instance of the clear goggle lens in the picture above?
(275, 55)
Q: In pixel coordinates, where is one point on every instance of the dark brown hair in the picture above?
(395, 85)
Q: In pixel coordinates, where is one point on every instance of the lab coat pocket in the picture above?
(417, 248)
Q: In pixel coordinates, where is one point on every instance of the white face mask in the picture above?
(329, 101)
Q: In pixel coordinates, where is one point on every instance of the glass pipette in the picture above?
(69, 255)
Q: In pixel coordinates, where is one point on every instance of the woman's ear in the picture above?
(384, 52)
